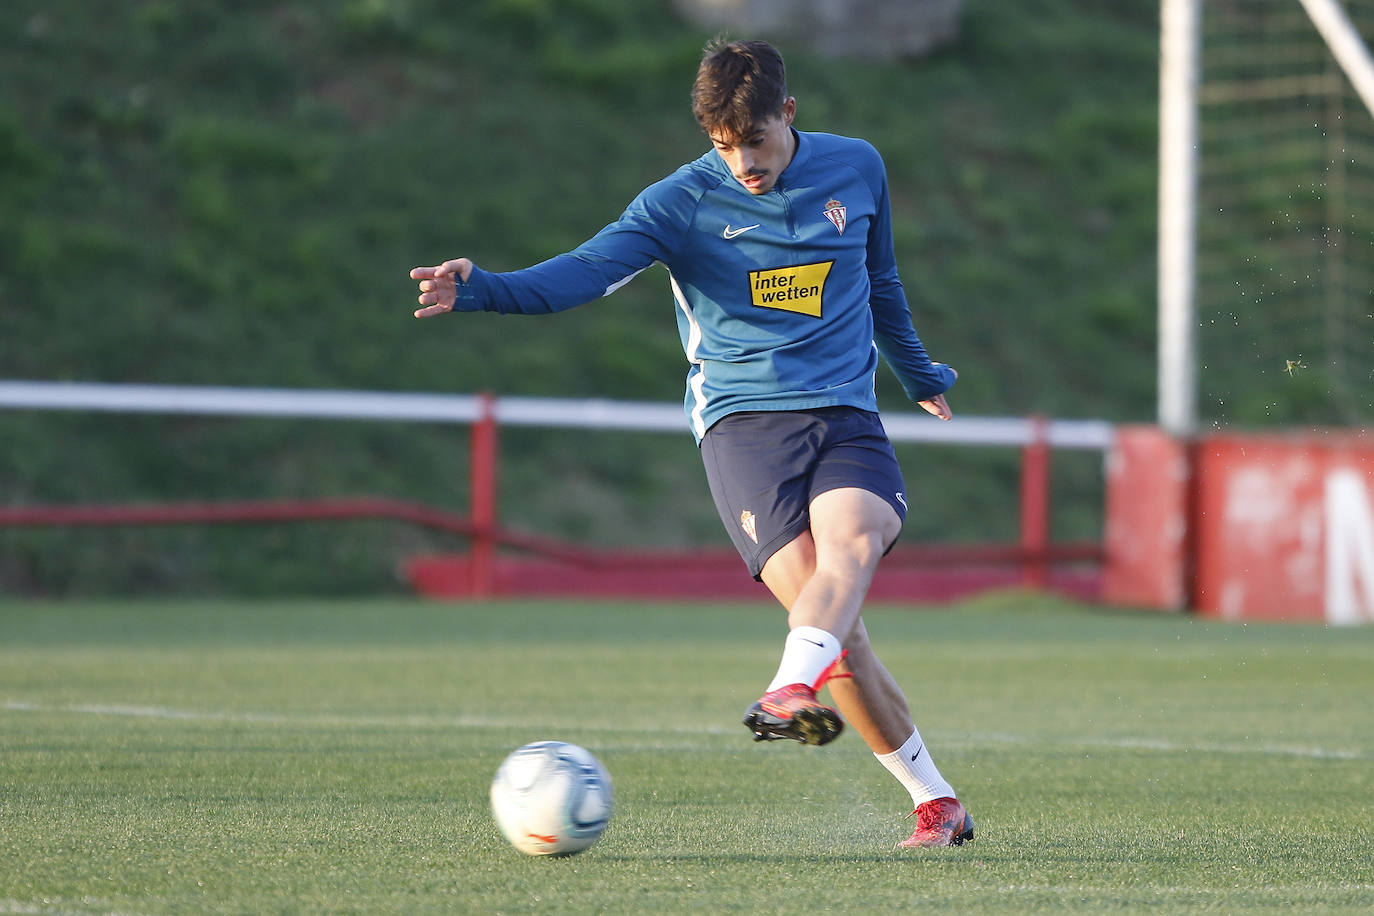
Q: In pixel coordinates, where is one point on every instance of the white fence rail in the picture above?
(588, 413)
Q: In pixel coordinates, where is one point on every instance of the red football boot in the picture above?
(793, 712)
(940, 822)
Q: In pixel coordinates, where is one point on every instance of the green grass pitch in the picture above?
(334, 757)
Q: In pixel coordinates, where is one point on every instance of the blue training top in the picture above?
(781, 297)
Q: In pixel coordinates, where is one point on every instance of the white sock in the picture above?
(807, 652)
(914, 769)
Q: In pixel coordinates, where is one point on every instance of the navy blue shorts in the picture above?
(765, 467)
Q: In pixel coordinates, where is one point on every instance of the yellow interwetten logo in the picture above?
(793, 289)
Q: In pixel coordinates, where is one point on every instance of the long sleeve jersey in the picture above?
(784, 299)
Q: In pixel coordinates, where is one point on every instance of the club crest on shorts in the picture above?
(837, 213)
(750, 523)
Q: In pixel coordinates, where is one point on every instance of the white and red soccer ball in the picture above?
(551, 798)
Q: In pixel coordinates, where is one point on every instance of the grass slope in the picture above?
(203, 193)
(334, 757)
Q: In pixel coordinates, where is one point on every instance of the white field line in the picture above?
(88, 906)
(1153, 895)
(327, 720)
(1171, 747)
(334, 720)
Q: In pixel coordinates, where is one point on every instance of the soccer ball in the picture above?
(551, 798)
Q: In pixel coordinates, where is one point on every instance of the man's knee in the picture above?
(859, 551)
(853, 522)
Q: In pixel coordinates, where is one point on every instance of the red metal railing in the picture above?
(1035, 556)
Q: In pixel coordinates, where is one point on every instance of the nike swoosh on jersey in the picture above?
(731, 233)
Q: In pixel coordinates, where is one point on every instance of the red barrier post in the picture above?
(1035, 504)
(1148, 524)
(483, 484)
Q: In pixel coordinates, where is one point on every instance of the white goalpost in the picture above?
(1345, 43)
(1266, 181)
(1178, 79)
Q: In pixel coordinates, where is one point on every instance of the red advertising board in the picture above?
(1146, 520)
(1284, 527)
(1278, 527)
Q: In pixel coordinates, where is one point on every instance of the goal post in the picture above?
(1180, 47)
(1266, 214)
(1346, 45)
(1253, 496)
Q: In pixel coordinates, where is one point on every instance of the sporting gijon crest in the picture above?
(837, 213)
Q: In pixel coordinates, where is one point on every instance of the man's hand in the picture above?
(938, 405)
(437, 286)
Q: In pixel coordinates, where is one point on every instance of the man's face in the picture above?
(756, 160)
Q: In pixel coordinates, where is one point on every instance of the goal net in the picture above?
(1285, 222)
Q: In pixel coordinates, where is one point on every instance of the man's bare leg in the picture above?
(824, 584)
(856, 528)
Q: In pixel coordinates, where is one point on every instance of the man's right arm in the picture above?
(647, 231)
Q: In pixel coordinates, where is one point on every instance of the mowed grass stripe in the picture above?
(334, 757)
(967, 740)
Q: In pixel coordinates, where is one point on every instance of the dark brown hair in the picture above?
(738, 84)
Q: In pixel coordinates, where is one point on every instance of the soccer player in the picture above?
(778, 245)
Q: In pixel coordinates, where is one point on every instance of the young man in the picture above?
(778, 245)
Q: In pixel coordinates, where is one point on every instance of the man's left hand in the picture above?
(937, 406)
